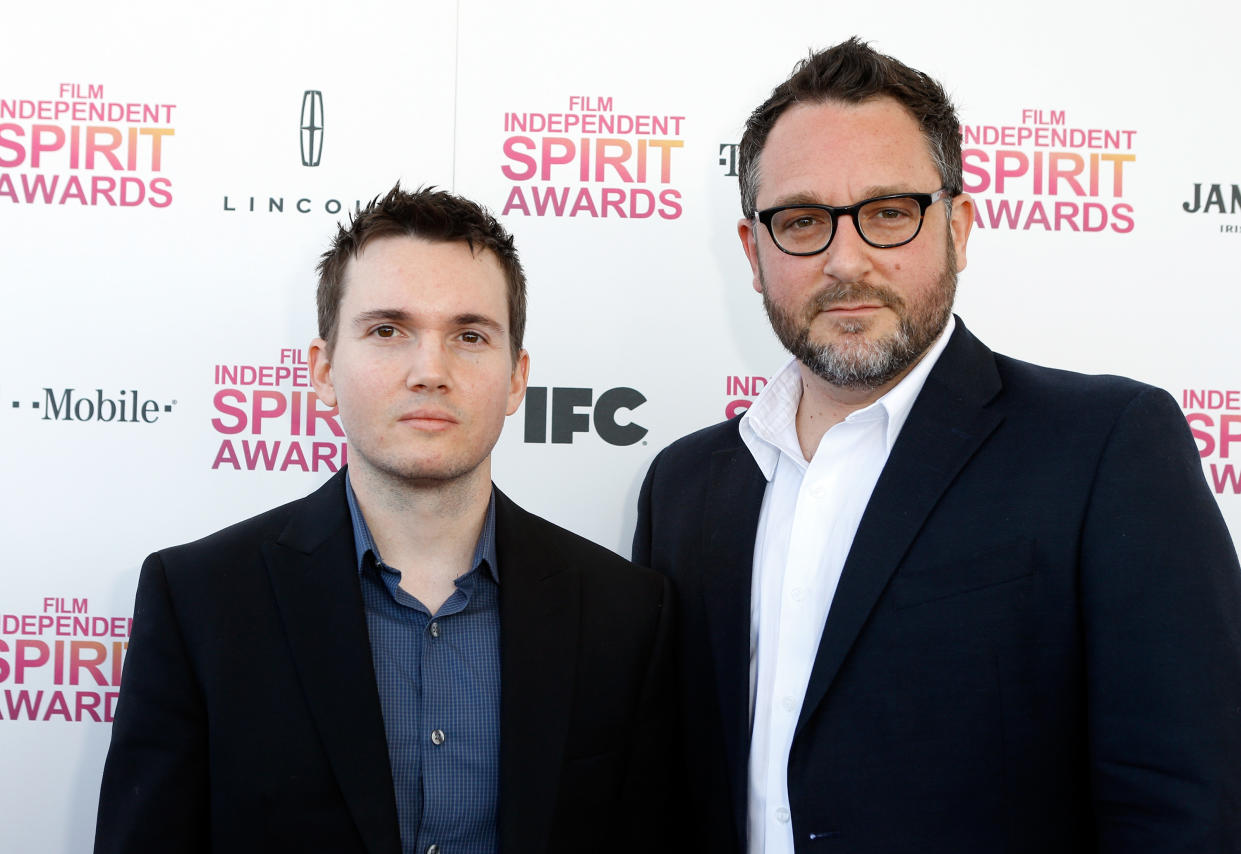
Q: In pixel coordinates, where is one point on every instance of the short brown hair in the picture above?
(429, 214)
(853, 72)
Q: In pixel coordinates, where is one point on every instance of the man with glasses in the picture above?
(934, 599)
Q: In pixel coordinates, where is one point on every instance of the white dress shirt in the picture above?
(810, 513)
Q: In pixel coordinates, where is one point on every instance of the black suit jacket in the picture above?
(1033, 647)
(249, 716)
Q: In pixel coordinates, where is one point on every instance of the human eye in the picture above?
(800, 220)
(801, 230)
(384, 330)
(889, 213)
(472, 337)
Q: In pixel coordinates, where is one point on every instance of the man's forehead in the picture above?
(396, 260)
(880, 107)
(419, 248)
(873, 148)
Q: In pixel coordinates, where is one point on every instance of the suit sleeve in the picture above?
(154, 796)
(1161, 604)
(654, 782)
(641, 551)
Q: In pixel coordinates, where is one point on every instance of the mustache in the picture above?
(848, 292)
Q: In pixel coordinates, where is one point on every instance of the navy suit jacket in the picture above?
(1033, 647)
(249, 716)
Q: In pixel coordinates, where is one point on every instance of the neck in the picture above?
(426, 529)
(823, 405)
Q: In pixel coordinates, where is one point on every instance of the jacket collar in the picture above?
(320, 603)
(949, 422)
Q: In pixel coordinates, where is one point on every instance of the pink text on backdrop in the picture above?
(591, 161)
(1214, 417)
(53, 140)
(53, 667)
(1045, 157)
(275, 400)
(742, 390)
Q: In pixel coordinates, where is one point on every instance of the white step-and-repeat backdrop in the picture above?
(169, 175)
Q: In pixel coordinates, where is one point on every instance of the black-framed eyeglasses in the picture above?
(884, 222)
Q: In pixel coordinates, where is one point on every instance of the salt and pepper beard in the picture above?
(856, 362)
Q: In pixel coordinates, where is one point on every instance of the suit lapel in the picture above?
(946, 426)
(539, 627)
(313, 573)
(730, 523)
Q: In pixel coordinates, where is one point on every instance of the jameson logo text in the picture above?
(1216, 199)
(594, 158)
(1049, 174)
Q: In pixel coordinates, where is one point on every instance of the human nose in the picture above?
(428, 367)
(848, 257)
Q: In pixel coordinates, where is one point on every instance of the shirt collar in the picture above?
(769, 427)
(484, 549)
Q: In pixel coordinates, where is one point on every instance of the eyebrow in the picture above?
(400, 315)
(395, 315)
(478, 320)
(870, 192)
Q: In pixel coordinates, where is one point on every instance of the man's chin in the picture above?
(426, 472)
(835, 328)
(858, 362)
(852, 337)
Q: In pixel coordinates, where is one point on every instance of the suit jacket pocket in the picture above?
(1003, 564)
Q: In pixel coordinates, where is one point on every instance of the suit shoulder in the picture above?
(1060, 388)
(234, 544)
(700, 444)
(596, 564)
(243, 539)
(1086, 411)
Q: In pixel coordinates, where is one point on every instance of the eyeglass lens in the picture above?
(883, 221)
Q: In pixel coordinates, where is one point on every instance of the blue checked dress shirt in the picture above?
(439, 689)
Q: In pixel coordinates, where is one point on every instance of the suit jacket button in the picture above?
(437, 737)
(433, 849)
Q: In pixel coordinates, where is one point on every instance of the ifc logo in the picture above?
(566, 419)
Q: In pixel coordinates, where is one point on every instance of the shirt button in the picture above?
(789, 704)
(817, 490)
(782, 815)
(435, 632)
(437, 737)
(798, 594)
